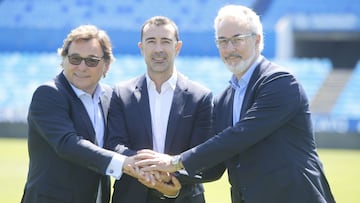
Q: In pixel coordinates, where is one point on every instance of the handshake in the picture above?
(154, 170)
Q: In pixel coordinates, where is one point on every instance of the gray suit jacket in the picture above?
(65, 164)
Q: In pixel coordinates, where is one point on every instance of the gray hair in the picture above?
(243, 14)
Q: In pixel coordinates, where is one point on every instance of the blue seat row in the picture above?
(311, 72)
(347, 104)
(194, 15)
(23, 72)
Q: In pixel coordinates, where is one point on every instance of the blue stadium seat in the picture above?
(347, 104)
(311, 72)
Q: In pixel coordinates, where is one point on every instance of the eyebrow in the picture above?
(222, 37)
(153, 38)
(77, 54)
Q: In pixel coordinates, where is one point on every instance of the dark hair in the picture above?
(160, 20)
(87, 32)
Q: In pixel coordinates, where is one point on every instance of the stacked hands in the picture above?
(153, 170)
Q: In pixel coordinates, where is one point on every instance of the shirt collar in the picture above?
(244, 80)
(171, 82)
(99, 91)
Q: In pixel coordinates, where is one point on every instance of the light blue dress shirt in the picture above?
(240, 87)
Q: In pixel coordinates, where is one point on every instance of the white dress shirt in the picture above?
(160, 105)
(93, 107)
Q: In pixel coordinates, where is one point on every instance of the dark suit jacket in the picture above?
(270, 153)
(130, 130)
(65, 165)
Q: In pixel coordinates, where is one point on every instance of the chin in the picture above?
(236, 69)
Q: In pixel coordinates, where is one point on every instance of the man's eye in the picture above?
(75, 58)
(93, 60)
(238, 39)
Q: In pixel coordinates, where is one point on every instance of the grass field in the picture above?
(342, 168)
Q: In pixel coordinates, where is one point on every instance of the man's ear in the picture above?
(178, 47)
(140, 47)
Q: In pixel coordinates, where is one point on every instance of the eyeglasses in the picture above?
(235, 40)
(91, 61)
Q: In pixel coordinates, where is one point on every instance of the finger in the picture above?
(146, 162)
(165, 176)
(147, 151)
(144, 156)
(148, 177)
(139, 173)
(157, 175)
(152, 180)
(131, 171)
(176, 182)
(148, 168)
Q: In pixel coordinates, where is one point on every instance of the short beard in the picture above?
(242, 66)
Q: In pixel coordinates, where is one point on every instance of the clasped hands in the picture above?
(153, 170)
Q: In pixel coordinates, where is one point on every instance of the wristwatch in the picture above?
(176, 162)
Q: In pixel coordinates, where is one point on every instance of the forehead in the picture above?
(230, 26)
(159, 31)
(86, 47)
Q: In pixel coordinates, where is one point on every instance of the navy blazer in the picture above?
(65, 164)
(130, 130)
(270, 153)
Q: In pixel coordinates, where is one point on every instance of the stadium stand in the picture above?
(49, 21)
(196, 15)
(23, 72)
(348, 102)
(31, 31)
(311, 72)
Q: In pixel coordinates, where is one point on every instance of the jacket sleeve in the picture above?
(52, 117)
(273, 100)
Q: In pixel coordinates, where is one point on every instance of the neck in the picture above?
(159, 79)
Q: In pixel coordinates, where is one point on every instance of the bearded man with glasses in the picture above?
(263, 129)
(67, 122)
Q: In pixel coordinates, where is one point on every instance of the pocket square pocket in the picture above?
(187, 116)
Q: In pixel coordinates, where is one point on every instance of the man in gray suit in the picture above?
(160, 110)
(262, 123)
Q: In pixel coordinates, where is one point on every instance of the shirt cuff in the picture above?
(115, 166)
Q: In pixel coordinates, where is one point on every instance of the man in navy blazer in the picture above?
(66, 126)
(161, 110)
(262, 122)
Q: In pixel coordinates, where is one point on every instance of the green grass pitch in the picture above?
(342, 168)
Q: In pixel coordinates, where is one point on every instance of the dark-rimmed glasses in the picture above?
(236, 40)
(91, 61)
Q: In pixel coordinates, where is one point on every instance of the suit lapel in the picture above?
(142, 97)
(104, 105)
(228, 101)
(105, 102)
(80, 108)
(249, 90)
(177, 106)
